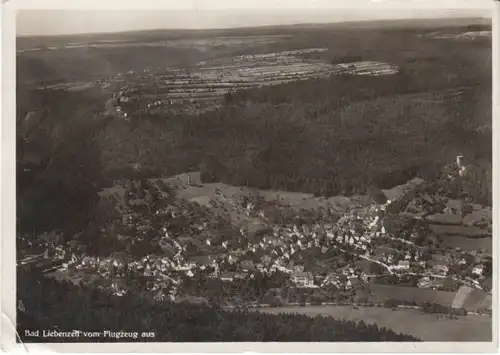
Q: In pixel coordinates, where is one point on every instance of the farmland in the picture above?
(470, 35)
(469, 244)
(424, 326)
(478, 300)
(473, 301)
(381, 293)
(206, 84)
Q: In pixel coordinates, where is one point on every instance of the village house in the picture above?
(331, 279)
(430, 282)
(247, 265)
(227, 276)
(367, 277)
(477, 270)
(424, 282)
(303, 279)
(402, 265)
(438, 268)
(240, 276)
(298, 268)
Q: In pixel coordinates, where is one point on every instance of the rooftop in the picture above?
(302, 274)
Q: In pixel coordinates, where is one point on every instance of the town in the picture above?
(417, 239)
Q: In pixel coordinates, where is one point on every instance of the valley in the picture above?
(336, 170)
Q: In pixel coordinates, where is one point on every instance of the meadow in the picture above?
(469, 244)
(381, 293)
(427, 327)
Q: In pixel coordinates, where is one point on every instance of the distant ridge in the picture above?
(424, 21)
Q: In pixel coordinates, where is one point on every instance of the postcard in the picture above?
(300, 176)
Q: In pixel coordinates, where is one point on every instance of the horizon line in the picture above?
(319, 23)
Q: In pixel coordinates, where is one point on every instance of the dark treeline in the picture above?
(60, 188)
(62, 306)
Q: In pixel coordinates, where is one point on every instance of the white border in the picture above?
(7, 193)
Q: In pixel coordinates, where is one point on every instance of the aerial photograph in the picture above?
(265, 176)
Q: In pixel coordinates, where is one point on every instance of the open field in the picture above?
(381, 293)
(469, 244)
(226, 200)
(465, 231)
(472, 301)
(208, 82)
(478, 300)
(295, 200)
(470, 35)
(424, 326)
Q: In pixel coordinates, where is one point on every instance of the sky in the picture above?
(94, 16)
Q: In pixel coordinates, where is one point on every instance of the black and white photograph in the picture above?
(313, 173)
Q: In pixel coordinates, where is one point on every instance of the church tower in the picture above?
(216, 272)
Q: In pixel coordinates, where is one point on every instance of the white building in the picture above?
(478, 270)
(303, 279)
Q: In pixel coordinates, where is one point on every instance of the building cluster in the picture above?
(194, 248)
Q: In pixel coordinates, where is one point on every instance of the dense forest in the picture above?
(326, 136)
(58, 164)
(47, 304)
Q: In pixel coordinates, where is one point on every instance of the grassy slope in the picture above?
(382, 293)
